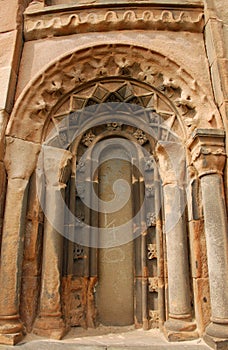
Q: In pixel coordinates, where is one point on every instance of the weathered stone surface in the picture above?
(202, 303)
(9, 16)
(171, 44)
(8, 79)
(198, 249)
(83, 51)
(3, 123)
(20, 158)
(214, 45)
(219, 74)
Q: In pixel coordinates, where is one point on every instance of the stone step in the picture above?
(52, 345)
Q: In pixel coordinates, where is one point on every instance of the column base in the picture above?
(179, 330)
(216, 336)
(11, 332)
(50, 327)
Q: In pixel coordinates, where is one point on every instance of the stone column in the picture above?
(208, 156)
(171, 157)
(20, 161)
(56, 170)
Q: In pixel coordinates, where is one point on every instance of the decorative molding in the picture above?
(151, 251)
(43, 95)
(153, 284)
(207, 151)
(66, 20)
(151, 219)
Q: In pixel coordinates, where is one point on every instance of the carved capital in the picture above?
(171, 159)
(56, 167)
(208, 151)
(20, 157)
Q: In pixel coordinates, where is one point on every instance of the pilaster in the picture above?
(20, 160)
(208, 155)
(179, 326)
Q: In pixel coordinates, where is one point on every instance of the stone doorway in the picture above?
(113, 282)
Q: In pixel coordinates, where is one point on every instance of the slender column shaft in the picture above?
(208, 155)
(171, 156)
(177, 254)
(49, 321)
(12, 244)
(52, 255)
(217, 244)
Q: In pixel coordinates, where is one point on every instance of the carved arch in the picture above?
(70, 72)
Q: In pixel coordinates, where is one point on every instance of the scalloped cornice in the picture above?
(121, 15)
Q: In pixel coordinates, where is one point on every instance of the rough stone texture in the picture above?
(202, 303)
(165, 56)
(46, 50)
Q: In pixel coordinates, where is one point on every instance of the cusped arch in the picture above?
(74, 70)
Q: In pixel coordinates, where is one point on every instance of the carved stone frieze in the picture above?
(42, 96)
(41, 23)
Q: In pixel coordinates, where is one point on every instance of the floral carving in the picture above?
(114, 126)
(151, 219)
(81, 59)
(152, 251)
(140, 136)
(154, 318)
(123, 65)
(153, 284)
(149, 164)
(149, 191)
(148, 73)
(88, 138)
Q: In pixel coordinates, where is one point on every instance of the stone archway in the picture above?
(50, 91)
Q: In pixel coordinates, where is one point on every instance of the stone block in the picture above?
(202, 303)
(10, 49)
(215, 343)
(4, 117)
(224, 113)
(221, 9)
(8, 80)
(225, 35)
(219, 75)
(11, 15)
(214, 45)
(10, 339)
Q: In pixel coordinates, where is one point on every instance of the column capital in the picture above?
(56, 165)
(172, 162)
(20, 157)
(207, 147)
